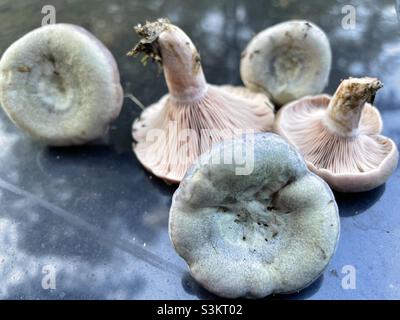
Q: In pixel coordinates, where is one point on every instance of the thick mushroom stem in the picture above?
(173, 49)
(345, 107)
(181, 65)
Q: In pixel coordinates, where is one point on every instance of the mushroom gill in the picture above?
(340, 136)
(171, 133)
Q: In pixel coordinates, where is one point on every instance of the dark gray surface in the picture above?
(97, 217)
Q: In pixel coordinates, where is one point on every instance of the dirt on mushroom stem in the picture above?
(345, 108)
(174, 51)
(206, 112)
(148, 43)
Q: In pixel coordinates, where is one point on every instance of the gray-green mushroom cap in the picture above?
(287, 61)
(60, 84)
(259, 224)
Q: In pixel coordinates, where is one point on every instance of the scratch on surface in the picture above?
(103, 236)
(215, 249)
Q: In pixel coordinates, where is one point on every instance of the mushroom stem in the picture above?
(173, 49)
(346, 105)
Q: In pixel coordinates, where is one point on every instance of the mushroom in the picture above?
(287, 61)
(272, 229)
(171, 133)
(340, 136)
(60, 84)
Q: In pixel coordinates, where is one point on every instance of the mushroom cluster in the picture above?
(254, 214)
(275, 228)
(60, 84)
(170, 134)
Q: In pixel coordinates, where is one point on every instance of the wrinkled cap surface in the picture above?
(263, 224)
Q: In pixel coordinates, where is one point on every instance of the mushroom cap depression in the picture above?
(348, 159)
(60, 84)
(287, 61)
(249, 232)
(171, 133)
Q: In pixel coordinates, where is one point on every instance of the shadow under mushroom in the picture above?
(351, 204)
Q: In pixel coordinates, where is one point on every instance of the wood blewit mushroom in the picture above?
(271, 230)
(60, 84)
(171, 133)
(340, 136)
(287, 61)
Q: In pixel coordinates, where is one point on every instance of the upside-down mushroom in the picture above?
(273, 228)
(340, 136)
(170, 134)
(60, 84)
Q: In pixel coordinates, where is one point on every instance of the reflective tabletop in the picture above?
(89, 222)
